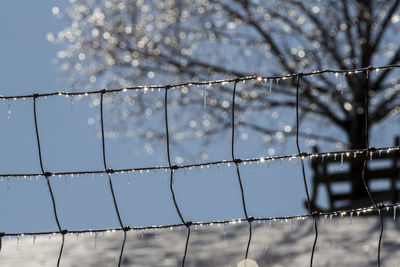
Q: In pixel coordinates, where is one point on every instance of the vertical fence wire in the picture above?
(109, 171)
(1, 240)
(172, 169)
(310, 208)
(364, 170)
(237, 161)
(47, 175)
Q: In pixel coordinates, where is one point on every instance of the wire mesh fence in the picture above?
(233, 161)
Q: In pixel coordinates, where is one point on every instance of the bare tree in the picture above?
(124, 42)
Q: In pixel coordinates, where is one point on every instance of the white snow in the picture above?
(340, 244)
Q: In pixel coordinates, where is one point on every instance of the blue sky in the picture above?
(70, 143)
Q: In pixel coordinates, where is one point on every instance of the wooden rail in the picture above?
(336, 170)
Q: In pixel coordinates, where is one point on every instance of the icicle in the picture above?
(292, 224)
(34, 240)
(342, 83)
(155, 234)
(394, 213)
(325, 217)
(205, 98)
(9, 109)
(72, 104)
(351, 217)
(224, 231)
(17, 242)
(142, 233)
(8, 183)
(270, 86)
(334, 157)
(341, 161)
(323, 156)
(96, 235)
(129, 178)
(370, 155)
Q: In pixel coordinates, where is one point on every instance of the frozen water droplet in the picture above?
(9, 109)
(247, 263)
(394, 213)
(205, 97)
(72, 104)
(342, 83)
(270, 86)
(341, 161)
(224, 231)
(96, 235)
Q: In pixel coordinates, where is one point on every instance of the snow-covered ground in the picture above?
(340, 243)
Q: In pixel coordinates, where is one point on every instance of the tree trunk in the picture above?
(357, 137)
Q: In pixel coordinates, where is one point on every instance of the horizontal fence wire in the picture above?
(259, 78)
(314, 214)
(329, 155)
(317, 214)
